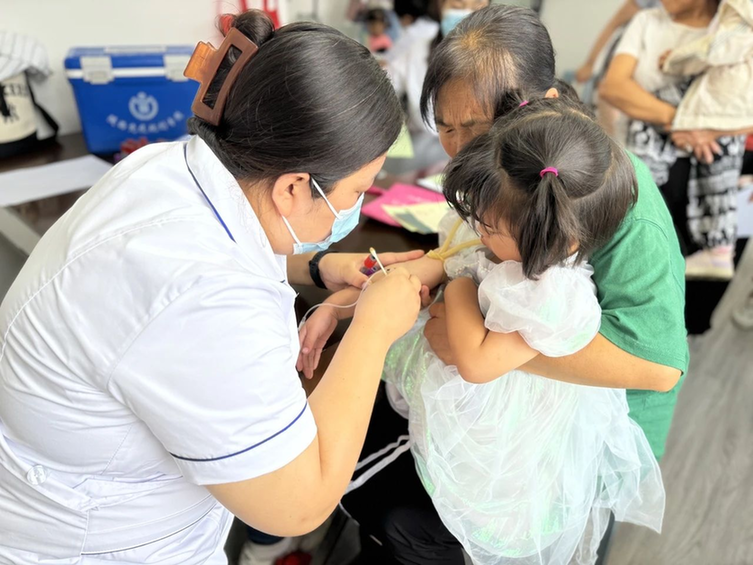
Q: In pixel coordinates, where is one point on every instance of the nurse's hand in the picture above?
(390, 304)
(341, 270)
(313, 336)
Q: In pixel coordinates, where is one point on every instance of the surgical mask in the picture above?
(451, 18)
(345, 222)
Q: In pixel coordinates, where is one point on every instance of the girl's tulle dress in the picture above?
(525, 470)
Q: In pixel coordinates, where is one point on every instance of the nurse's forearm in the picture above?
(601, 363)
(345, 301)
(297, 498)
(342, 404)
(298, 269)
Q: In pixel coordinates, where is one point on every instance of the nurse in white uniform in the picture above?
(147, 350)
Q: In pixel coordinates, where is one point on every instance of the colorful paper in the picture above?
(419, 218)
(433, 182)
(398, 195)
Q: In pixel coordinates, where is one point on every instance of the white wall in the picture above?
(61, 24)
(574, 26)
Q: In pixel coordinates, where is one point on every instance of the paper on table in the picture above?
(420, 218)
(403, 146)
(433, 182)
(430, 214)
(402, 215)
(34, 183)
(398, 195)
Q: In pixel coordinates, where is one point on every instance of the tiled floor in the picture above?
(708, 467)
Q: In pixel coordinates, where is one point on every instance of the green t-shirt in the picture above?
(640, 277)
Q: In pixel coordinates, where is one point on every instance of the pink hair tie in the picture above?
(549, 170)
(524, 103)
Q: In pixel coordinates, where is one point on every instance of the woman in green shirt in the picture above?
(642, 344)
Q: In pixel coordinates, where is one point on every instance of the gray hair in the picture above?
(497, 50)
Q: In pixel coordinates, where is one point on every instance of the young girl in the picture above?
(522, 469)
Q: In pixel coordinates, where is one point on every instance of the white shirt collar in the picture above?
(234, 213)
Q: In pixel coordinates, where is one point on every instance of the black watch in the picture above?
(314, 267)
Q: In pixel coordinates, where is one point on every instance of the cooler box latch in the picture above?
(174, 67)
(97, 70)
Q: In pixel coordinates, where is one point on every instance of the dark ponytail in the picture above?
(311, 100)
(498, 178)
(549, 227)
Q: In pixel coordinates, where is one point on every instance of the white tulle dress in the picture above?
(525, 470)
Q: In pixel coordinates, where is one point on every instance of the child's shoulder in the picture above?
(557, 314)
(509, 275)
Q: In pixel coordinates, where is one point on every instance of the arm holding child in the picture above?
(480, 355)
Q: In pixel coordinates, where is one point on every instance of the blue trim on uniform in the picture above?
(248, 448)
(216, 213)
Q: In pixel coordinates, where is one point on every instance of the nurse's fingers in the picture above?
(317, 359)
(308, 361)
(313, 338)
(306, 365)
(301, 337)
(311, 361)
(357, 279)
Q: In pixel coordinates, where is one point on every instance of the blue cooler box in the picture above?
(130, 92)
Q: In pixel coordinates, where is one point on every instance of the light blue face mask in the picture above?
(345, 222)
(451, 18)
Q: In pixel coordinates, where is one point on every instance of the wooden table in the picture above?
(25, 224)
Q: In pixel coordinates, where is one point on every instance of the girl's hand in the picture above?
(313, 337)
(341, 270)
